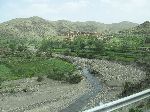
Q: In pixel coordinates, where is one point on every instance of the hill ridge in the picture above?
(38, 27)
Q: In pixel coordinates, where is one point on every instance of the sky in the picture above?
(105, 11)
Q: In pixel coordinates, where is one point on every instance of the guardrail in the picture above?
(111, 106)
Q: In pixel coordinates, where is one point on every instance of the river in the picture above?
(82, 101)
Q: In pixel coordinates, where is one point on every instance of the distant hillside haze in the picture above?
(39, 28)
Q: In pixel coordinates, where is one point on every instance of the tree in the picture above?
(46, 46)
(124, 46)
(99, 45)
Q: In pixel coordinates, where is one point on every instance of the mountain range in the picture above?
(36, 27)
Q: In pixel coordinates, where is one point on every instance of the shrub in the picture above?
(127, 88)
(135, 110)
(55, 75)
(12, 91)
(130, 88)
(25, 90)
(67, 52)
(40, 79)
(1, 80)
(74, 79)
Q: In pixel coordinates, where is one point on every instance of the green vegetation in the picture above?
(40, 78)
(141, 107)
(135, 110)
(53, 68)
(1, 80)
(75, 78)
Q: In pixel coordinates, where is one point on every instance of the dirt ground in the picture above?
(28, 95)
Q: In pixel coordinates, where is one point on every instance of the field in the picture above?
(16, 69)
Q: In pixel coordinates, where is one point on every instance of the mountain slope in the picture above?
(142, 29)
(27, 27)
(122, 26)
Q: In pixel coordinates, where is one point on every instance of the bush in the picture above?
(40, 79)
(74, 79)
(55, 75)
(130, 88)
(1, 80)
(25, 90)
(67, 52)
(135, 110)
(127, 88)
(67, 77)
(12, 91)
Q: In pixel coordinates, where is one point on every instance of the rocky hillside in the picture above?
(38, 27)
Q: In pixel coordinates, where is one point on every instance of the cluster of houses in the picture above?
(72, 34)
(78, 33)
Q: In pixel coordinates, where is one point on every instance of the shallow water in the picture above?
(83, 100)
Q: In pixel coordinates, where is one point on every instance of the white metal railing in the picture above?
(111, 106)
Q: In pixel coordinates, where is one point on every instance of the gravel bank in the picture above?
(45, 96)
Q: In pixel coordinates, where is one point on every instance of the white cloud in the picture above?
(40, 7)
(127, 4)
(134, 10)
(37, 1)
(100, 10)
(74, 5)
